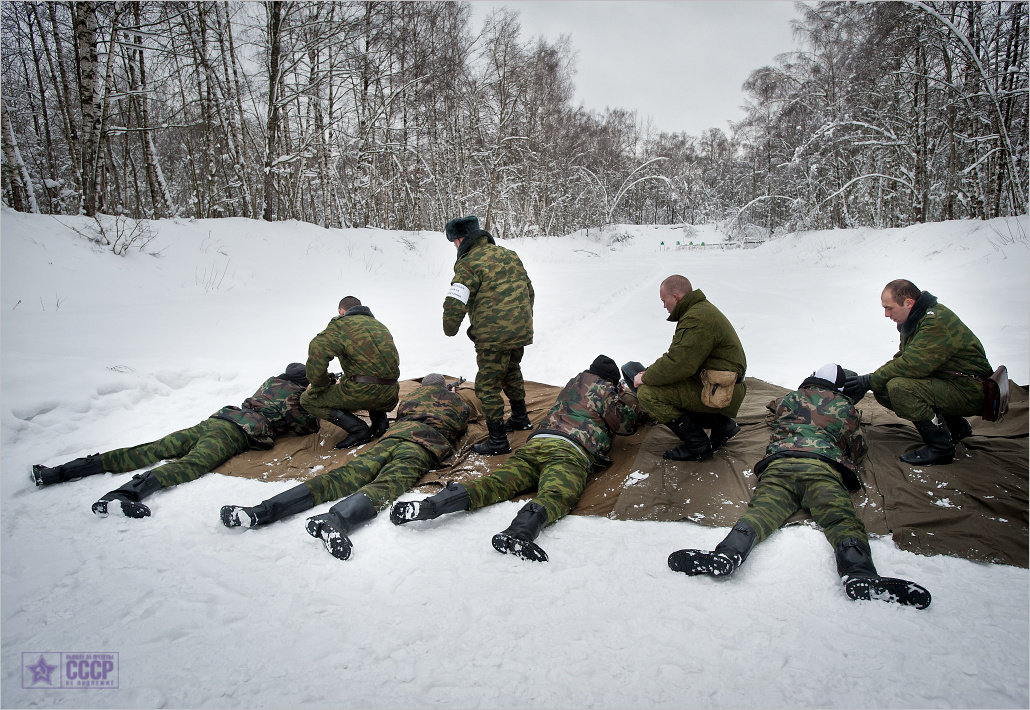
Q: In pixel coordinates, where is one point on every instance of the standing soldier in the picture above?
(270, 412)
(429, 422)
(931, 381)
(811, 460)
(491, 285)
(573, 439)
(370, 365)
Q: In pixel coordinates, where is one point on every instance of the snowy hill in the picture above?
(101, 351)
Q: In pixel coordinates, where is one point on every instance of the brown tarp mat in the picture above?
(974, 508)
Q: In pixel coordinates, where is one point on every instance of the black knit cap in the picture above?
(461, 227)
(295, 372)
(605, 368)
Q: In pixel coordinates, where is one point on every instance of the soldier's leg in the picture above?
(359, 471)
(776, 498)
(492, 368)
(917, 399)
(562, 480)
(518, 474)
(825, 496)
(408, 462)
(512, 383)
(219, 441)
(173, 446)
(349, 396)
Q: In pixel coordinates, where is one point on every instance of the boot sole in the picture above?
(233, 516)
(403, 513)
(887, 589)
(697, 562)
(129, 509)
(523, 549)
(336, 543)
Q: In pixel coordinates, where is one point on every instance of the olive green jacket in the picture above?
(704, 340)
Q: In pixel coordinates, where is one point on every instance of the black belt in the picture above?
(368, 379)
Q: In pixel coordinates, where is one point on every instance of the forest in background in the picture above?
(402, 115)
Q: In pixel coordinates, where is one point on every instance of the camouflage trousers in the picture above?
(349, 396)
(553, 466)
(917, 399)
(198, 450)
(387, 469)
(790, 484)
(667, 402)
(499, 371)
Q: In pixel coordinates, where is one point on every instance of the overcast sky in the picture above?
(681, 62)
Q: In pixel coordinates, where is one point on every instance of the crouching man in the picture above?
(811, 457)
(574, 438)
(429, 422)
(270, 412)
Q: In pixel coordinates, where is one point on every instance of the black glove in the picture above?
(856, 387)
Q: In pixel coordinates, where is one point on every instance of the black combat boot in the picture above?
(79, 468)
(519, 419)
(858, 574)
(959, 428)
(497, 443)
(629, 372)
(128, 497)
(723, 428)
(380, 423)
(724, 560)
(517, 538)
(695, 447)
(295, 500)
(334, 527)
(358, 431)
(939, 447)
(451, 499)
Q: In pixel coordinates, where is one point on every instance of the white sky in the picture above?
(681, 62)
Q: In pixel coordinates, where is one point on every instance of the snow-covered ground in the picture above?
(100, 351)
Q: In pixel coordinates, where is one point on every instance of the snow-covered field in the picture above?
(100, 351)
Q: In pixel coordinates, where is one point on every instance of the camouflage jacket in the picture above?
(817, 421)
(432, 417)
(590, 412)
(270, 412)
(492, 286)
(933, 340)
(704, 339)
(363, 345)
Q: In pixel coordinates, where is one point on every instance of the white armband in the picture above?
(460, 292)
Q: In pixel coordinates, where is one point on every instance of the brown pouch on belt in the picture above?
(717, 388)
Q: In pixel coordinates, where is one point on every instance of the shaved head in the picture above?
(676, 285)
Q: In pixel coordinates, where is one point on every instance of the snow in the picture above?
(101, 351)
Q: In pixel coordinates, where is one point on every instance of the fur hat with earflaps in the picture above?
(461, 227)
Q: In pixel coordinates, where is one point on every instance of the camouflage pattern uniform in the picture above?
(364, 346)
(574, 438)
(492, 286)
(273, 410)
(810, 459)
(704, 340)
(428, 423)
(934, 342)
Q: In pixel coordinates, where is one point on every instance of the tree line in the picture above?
(402, 115)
